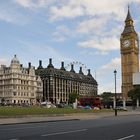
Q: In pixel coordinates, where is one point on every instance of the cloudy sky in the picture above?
(83, 31)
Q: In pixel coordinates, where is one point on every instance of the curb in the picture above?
(40, 121)
(62, 117)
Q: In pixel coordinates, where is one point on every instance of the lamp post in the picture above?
(115, 72)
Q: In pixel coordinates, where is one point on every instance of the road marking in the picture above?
(126, 137)
(65, 132)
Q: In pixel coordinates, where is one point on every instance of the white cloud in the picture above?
(103, 44)
(65, 12)
(104, 73)
(94, 25)
(44, 51)
(110, 87)
(114, 64)
(56, 36)
(24, 3)
(34, 3)
(76, 8)
(93, 53)
(3, 61)
(108, 69)
(10, 14)
(4, 16)
(61, 34)
(114, 31)
(69, 9)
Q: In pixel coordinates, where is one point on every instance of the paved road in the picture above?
(110, 128)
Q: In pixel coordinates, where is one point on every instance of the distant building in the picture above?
(59, 83)
(19, 85)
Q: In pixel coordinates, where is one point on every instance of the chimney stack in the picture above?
(62, 66)
(72, 68)
(80, 71)
(29, 64)
(89, 74)
(50, 63)
(40, 64)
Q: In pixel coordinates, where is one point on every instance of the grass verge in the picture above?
(22, 111)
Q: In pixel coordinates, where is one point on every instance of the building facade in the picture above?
(59, 83)
(19, 85)
(129, 47)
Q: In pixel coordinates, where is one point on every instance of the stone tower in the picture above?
(129, 48)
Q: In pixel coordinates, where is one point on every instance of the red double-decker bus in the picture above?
(90, 101)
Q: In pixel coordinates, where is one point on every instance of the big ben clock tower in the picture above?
(129, 47)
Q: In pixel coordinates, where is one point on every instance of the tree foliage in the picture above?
(72, 97)
(107, 98)
(134, 93)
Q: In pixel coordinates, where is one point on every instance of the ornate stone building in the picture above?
(129, 55)
(19, 85)
(59, 83)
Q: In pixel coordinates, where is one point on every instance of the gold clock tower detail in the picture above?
(129, 47)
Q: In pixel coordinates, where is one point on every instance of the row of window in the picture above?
(16, 94)
(22, 94)
(64, 82)
(72, 84)
(18, 87)
(21, 101)
(26, 77)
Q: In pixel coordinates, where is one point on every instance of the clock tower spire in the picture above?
(129, 27)
(129, 48)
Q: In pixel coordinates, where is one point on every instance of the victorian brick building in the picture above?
(59, 83)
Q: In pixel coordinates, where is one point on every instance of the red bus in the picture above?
(90, 101)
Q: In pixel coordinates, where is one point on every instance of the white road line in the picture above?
(65, 132)
(126, 137)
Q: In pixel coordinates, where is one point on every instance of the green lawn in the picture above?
(21, 111)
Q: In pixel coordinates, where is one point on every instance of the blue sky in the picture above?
(87, 31)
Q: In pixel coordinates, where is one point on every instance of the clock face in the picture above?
(126, 43)
(136, 43)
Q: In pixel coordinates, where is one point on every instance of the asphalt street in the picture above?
(109, 128)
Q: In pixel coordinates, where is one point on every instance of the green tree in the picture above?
(107, 98)
(73, 96)
(134, 93)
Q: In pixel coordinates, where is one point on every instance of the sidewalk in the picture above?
(68, 117)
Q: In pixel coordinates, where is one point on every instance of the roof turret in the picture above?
(15, 60)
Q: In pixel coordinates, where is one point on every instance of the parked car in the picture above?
(48, 104)
(87, 107)
(121, 108)
(80, 107)
(61, 105)
(96, 108)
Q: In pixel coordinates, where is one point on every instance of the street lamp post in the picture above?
(115, 72)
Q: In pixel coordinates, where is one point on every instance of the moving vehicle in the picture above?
(90, 101)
